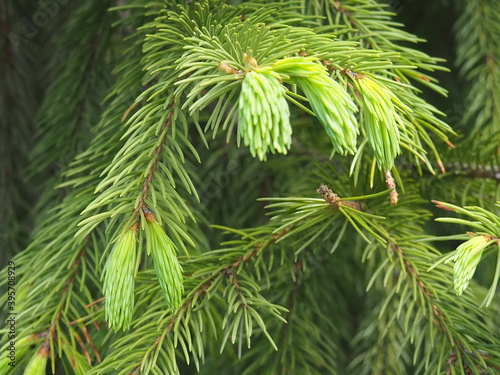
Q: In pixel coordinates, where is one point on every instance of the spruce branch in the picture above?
(371, 24)
(54, 337)
(56, 308)
(71, 109)
(156, 158)
(206, 287)
(478, 56)
(341, 282)
(52, 253)
(302, 346)
(467, 256)
(225, 47)
(19, 99)
(425, 294)
(301, 214)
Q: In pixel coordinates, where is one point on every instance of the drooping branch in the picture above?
(230, 271)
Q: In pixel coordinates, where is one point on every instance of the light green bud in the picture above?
(167, 266)
(264, 116)
(21, 346)
(466, 259)
(119, 280)
(38, 363)
(380, 120)
(330, 102)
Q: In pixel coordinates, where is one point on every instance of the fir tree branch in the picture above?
(54, 335)
(478, 57)
(156, 158)
(201, 295)
(196, 70)
(302, 347)
(460, 330)
(19, 98)
(73, 107)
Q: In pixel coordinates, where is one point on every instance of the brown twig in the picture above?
(335, 201)
(146, 185)
(94, 303)
(410, 270)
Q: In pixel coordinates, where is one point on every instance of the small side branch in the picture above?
(411, 271)
(229, 271)
(335, 201)
(146, 185)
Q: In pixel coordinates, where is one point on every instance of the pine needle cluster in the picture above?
(246, 187)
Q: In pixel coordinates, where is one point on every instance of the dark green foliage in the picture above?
(244, 187)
